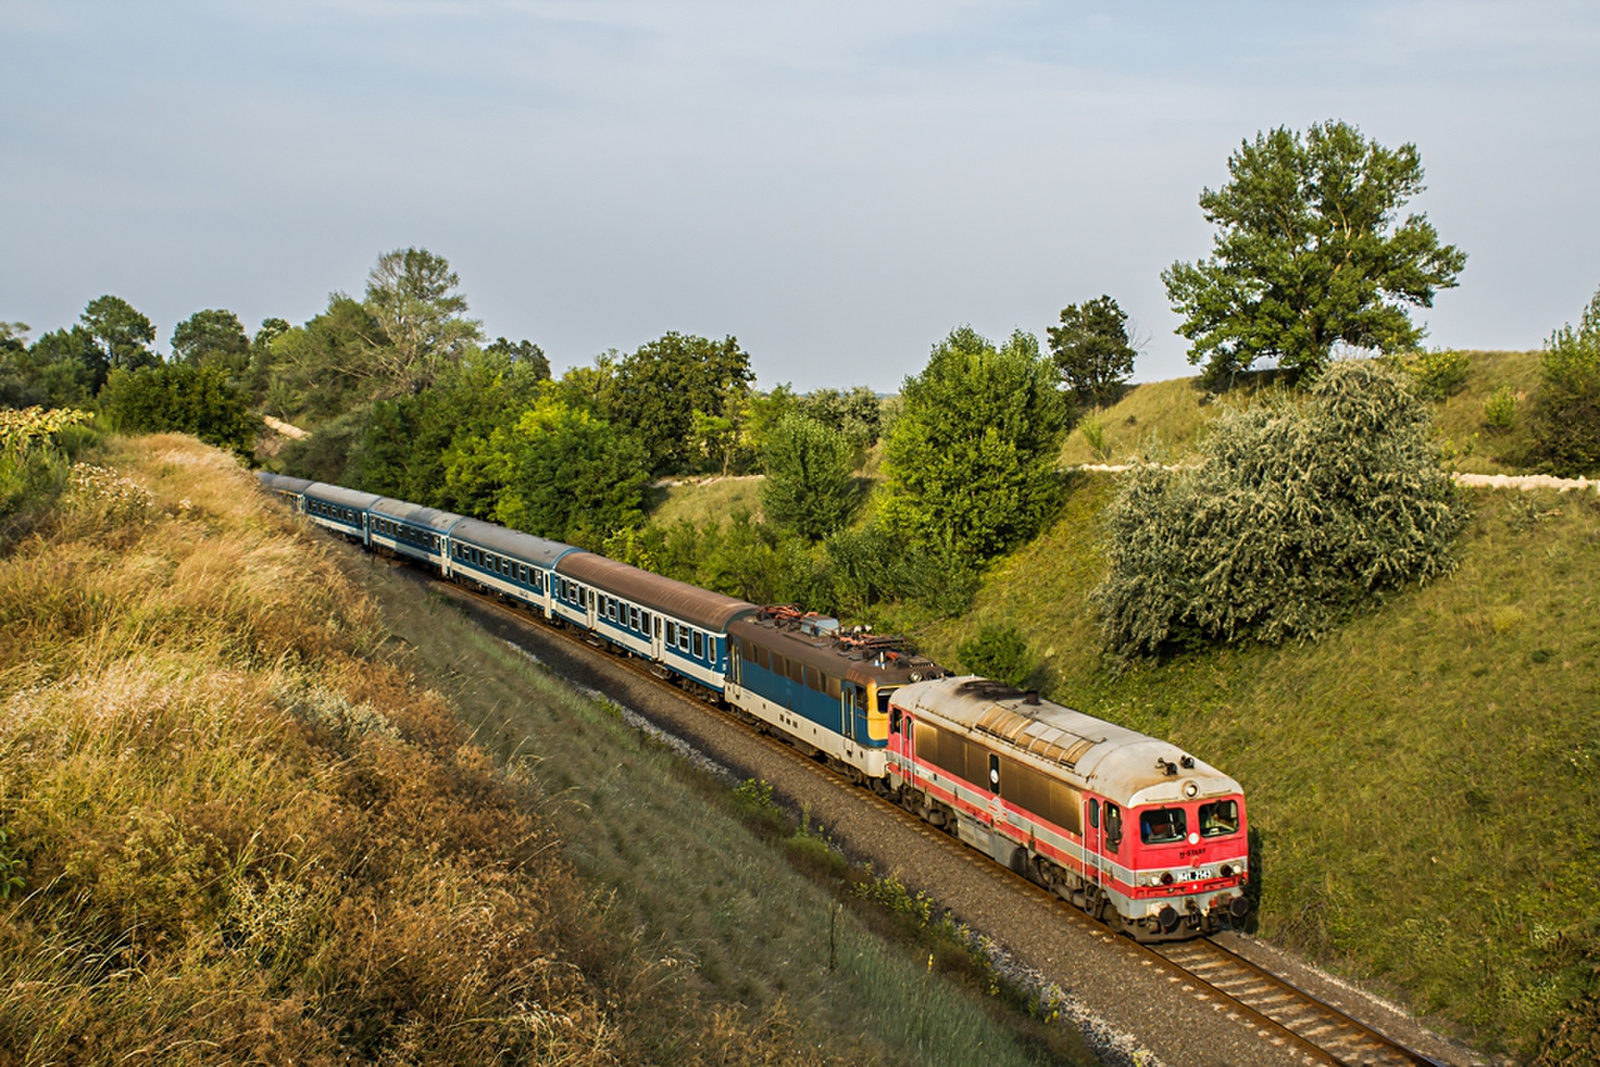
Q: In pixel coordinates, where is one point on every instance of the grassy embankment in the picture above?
(245, 829)
(1424, 780)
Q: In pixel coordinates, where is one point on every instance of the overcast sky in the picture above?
(836, 184)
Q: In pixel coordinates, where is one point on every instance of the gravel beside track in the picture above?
(1112, 987)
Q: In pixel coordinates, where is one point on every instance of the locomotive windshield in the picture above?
(1219, 818)
(1161, 826)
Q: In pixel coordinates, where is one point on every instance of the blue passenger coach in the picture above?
(291, 489)
(681, 627)
(408, 529)
(344, 511)
(516, 565)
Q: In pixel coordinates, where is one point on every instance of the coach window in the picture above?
(683, 638)
(699, 645)
(633, 618)
(672, 633)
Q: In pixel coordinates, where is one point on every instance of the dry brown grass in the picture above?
(247, 835)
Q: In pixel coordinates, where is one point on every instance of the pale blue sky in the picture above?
(838, 185)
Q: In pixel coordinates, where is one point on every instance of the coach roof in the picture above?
(416, 514)
(523, 546)
(335, 494)
(701, 607)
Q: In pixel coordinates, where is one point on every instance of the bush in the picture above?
(36, 450)
(184, 398)
(999, 651)
(1565, 419)
(1297, 514)
(1500, 409)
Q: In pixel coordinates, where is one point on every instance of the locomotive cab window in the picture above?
(1162, 826)
(1219, 818)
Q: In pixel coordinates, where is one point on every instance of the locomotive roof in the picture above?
(282, 482)
(524, 546)
(849, 656)
(416, 514)
(701, 607)
(1120, 764)
(338, 494)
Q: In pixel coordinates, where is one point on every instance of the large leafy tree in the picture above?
(323, 368)
(524, 353)
(121, 334)
(658, 389)
(1310, 252)
(1091, 348)
(809, 487)
(412, 294)
(569, 475)
(213, 336)
(971, 459)
(1566, 410)
(57, 371)
(433, 447)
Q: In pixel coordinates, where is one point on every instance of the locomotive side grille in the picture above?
(1040, 738)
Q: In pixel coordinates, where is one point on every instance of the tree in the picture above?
(1299, 512)
(569, 476)
(324, 368)
(214, 336)
(1308, 255)
(1565, 418)
(971, 460)
(121, 335)
(659, 388)
(524, 353)
(410, 293)
(1091, 348)
(808, 489)
(59, 370)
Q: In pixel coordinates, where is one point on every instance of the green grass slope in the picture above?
(1424, 781)
(1170, 417)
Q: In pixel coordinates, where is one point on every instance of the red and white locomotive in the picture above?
(1123, 825)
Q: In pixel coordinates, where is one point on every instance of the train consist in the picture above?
(1139, 834)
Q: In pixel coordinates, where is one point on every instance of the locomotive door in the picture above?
(853, 706)
(1093, 870)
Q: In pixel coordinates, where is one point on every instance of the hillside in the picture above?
(245, 817)
(1169, 417)
(1423, 780)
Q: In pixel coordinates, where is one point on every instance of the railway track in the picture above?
(1301, 1027)
(1319, 1028)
